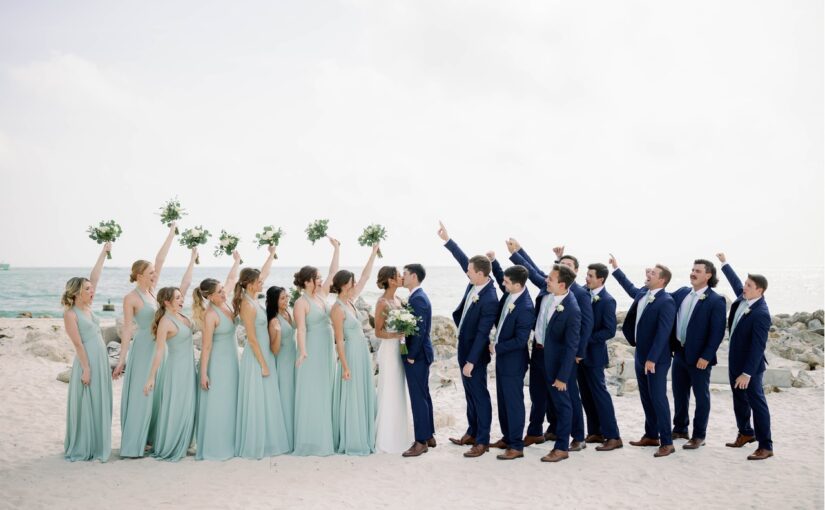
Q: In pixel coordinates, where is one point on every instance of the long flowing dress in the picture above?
(259, 428)
(178, 384)
(393, 433)
(218, 406)
(89, 408)
(138, 412)
(354, 400)
(313, 387)
(285, 361)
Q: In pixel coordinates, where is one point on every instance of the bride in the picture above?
(393, 431)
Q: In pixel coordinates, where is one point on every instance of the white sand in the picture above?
(33, 473)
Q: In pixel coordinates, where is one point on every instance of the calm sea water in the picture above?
(38, 290)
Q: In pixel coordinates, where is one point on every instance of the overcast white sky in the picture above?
(659, 131)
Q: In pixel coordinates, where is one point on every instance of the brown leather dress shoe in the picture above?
(645, 441)
(431, 442)
(594, 438)
(610, 444)
(415, 450)
(465, 440)
(694, 443)
(499, 444)
(741, 440)
(477, 451)
(510, 454)
(679, 435)
(555, 456)
(531, 440)
(549, 436)
(760, 454)
(577, 446)
(664, 450)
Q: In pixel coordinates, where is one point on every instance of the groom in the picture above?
(417, 363)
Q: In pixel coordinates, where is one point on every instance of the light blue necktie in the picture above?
(740, 311)
(503, 316)
(542, 323)
(639, 310)
(686, 317)
(466, 307)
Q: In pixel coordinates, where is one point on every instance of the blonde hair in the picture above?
(165, 295)
(73, 287)
(201, 294)
(138, 267)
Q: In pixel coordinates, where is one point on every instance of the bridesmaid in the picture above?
(314, 366)
(354, 390)
(282, 344)
(177, 384)
(259, 427)
(218, 395)
(89, 405)
(137, 347)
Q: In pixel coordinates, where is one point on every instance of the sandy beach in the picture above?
(33, 473)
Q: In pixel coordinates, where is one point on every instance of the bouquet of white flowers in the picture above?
(194, 237)
(373, 235)
(107, 231)
(226, 244)
(269, 237)
(402, 320)
(172, 211)
(317, 230)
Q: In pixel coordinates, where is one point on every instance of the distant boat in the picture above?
(4, 266)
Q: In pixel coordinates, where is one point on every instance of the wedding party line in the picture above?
(305, 383)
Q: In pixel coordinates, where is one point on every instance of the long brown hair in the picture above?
(248, 276)
(201, 294)
(165, 295)
(73, 287)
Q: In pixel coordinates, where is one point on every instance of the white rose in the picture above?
(225, 242)
(196, 232)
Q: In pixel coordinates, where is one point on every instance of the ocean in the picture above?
(38, 290)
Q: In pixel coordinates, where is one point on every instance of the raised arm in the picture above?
(232, 277)
(365, 274)
(498, 272)
(536, 275)
(336, 315)
(160, 258)
(333, 266)
(626, 284)
(267, 267)
(730, 275)
(186, 281)
(458, 255)
(70, 323)
(95, 276)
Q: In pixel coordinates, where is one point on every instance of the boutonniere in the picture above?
(475, 298)
(595, 299)
(747, 311)
(560, 308)
(651, 298)
(511, 307)
(702, 297)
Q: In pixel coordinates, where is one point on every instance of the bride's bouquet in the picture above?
(403, 320)
(194, 237)
(172, 211)
(269, 237)
(227, 244)
(107, 231)
(373, 235)
(317, 230)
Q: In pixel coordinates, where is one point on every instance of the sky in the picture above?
(657, 131)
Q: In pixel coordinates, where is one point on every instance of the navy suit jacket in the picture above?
(746, 354)
(706, 326)
(561, 340)
(419, 346)
(538, 277)
(655, 325)
(604, 328)
(474, 334)
(512, 356)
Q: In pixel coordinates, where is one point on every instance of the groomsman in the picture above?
(699, 328)
(520, 256)
(474, 317)
(562, 326)
(749, 324)
(516, 319)
(601, 416)
(648, 326)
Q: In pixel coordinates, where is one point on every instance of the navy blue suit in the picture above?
(705, 330)
(420, 350)
(538, 277)
(747, 356)
(474, 347)
(652, 341)
(561, 342)
(598, 405)
(511, 362)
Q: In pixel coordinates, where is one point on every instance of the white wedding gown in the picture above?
(393, 433)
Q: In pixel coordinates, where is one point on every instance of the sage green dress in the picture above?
(354, 401)
(89, 408)
(259, 428)
(218, 406)
(285, 361)
(138, 412)
(313, 387)
(175, 425)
